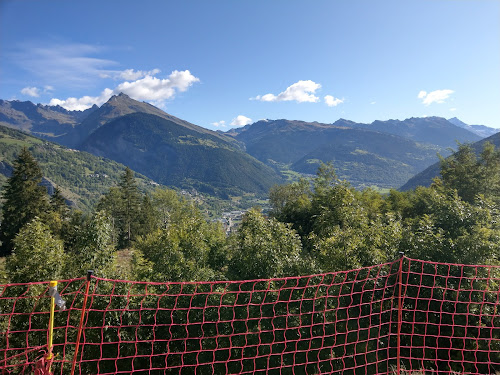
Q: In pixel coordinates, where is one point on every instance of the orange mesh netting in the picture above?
(404, 316)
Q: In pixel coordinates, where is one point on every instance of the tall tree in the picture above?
(129, 208)
(24, 199)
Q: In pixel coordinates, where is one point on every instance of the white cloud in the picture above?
(453, 109)
(71, 64)
(31, 91)
(35, 91)
(301, 91)
(437, 96)
(333, 102)
(80, 104)
(373, 103)
(219, 124)
(149, 88)
(133, 75)
(241, 121)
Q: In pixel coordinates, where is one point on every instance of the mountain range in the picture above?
(384, 154)
(425, 177)
(174, 152)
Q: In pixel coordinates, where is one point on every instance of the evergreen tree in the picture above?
(130, 200)
(58, 203)
(24, 199)
(147, 219)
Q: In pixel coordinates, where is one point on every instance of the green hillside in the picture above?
(364, 157)
(365, 162)
(173, 154)
(121, 105)
(82, 177)
(425, 177)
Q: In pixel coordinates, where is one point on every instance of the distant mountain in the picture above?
(50, 122)
(175, 152)
(82, 177)
(71, 128)
(481, 130)
(172, 153)
(145, 138)
(361, 155)
(433, 130)
(121, 105)
(425, 177)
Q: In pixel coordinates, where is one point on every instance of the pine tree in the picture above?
(129, 207)
(24, 199)
(58, 203)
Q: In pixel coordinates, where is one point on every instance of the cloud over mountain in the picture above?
(241, 121)
(148, 88)
(332, 102)
(437, 96)
(301, 91)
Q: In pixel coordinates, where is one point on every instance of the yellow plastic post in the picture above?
(52, 284)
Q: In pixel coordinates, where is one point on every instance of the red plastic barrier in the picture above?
(407, 316)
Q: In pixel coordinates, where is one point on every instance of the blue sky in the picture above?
(221, 64)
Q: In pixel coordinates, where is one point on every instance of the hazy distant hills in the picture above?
(433, 130)
(51, 122)
(71, 128)
(481, 130)
(425, 177)
(251, 159)
(384, 153)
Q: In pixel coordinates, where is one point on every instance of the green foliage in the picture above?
(183, 246)
(442, 227)
(93, 249)
(24, 198)
(471, 175)
(366, 244)
(264, 248)
(37, 255)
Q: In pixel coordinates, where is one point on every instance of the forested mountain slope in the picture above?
(173, 154)
(425, 177)
(362, 156)
(82, 177)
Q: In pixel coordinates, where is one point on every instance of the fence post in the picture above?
(82, 316)
(52, 285)
(400, 309)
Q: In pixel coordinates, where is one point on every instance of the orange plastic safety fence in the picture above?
(437, 318)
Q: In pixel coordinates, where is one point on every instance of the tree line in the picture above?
(314, 226)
